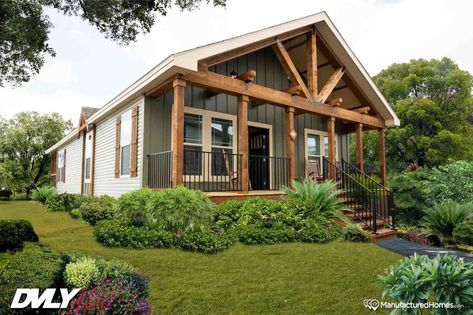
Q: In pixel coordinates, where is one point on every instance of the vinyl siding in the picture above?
(73, 167)
(105, 182)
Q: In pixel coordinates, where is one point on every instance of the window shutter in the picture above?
(64, 169)
(117, 146)
(134, 142)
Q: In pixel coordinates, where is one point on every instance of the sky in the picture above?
(89, 70)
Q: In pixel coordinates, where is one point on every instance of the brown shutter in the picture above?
(117, 146)
(134, 142)
(64, 170)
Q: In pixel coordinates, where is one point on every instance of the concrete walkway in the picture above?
(406, 248)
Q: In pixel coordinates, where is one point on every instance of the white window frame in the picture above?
(60, 175)
(207, 140)
(322, 135)
(128, 112)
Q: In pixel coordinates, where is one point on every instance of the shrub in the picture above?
(463, 233)
(413, 234)
(226, 215)
(116, 233)
(444, 218)
(259, 211)
(110, 297)
(64, 202)
(13, 233)
(322, 198)
(41, 194)
(97, 209)
(355, 233)
(180, 209)
(253, 234)
(453, 181)
(206, 241)
(419, 279)
(314, 232)
(82, 273)
(133, 206)
(36, 267)
(410, 196)
(5, 194)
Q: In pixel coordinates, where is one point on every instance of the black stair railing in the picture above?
(370, 201)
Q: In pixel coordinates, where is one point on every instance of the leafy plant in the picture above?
(314, 232)
(41, 194)
(354, 233)
(82, 273)
(453, 181)
(254, 234)
(444, 218)
(463, 233)
(13, 234)
(322, 198)
(64, 202)
(443, 279)
(206, 241)
(134, 206)
(97, 209)
(413, 234)
(226, 215)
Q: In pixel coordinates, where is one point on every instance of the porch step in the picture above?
(384, 234)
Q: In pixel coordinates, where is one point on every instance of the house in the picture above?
(239, 117)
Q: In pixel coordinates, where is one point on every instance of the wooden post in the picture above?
(92, 175)
(359, 147)
(290, 143)
(177, 140)
(312, 65)
(382, 156)
(243, 140)
(331, 146)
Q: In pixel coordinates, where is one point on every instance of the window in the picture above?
(192, 144)
(222, 146)
(125, 143)
(88, 156)
(61, 167)
(313, 147)
(317, 145)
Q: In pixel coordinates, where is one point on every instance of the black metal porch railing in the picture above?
(267, 172)
(160, 170)
(370, 200)
(212, 171)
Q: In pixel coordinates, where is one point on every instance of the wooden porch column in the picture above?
(290, 143)
(359, 147)
(331, 145)
(243, 140)
(312, 65)
(177, 139)
(382, 156)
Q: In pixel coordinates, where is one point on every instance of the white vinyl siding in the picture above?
(105, 182)
(73, 167)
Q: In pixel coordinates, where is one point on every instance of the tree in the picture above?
(23, 141)
(434, 103)
(25, 28)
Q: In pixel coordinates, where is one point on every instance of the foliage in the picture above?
(13, 233)
(453, 181)
(444, 218)
(23, 140)
(109, 297)
(206, 241)
(134, 206)
(434, 103)
(410, 196)
(322, 198)
(355, 233)
(63, 202)
(41, 194)
(419, 279)
(463, 233)
(5, 194)
(413, 234)
(97, 209)
(82, 273)
(314, 232)
(258, 211)
(253, 234)
(180, 209)
(116, 233)
(37, 266)
(226, 215)
(24, 39)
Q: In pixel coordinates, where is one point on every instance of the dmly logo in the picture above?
(31, 296)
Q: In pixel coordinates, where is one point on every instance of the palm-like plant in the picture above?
(319, 197)
(444, 217)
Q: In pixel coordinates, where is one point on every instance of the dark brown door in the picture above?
(258, 150)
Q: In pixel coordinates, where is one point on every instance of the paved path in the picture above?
(406, 248)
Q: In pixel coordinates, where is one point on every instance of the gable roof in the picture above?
(185, 61)
(88, 111)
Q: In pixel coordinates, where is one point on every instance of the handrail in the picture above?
(366, 176)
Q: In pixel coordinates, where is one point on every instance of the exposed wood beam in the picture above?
(218, 82)
(240, 51)
(161, 89)
(293, 90)
(319, 66)
(363, 109)
(335, 101)
(330, 85)
(312, 65)
(289, 67)
(340, 88)
(248, 76)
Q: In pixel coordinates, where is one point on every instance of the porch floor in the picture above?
(222, 196)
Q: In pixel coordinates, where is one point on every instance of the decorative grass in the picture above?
(293, 278)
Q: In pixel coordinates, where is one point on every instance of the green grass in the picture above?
(291, 278)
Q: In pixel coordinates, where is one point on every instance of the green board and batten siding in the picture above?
(268, 73)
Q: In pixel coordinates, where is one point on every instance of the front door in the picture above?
(258, 150)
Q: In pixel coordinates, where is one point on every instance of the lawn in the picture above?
(290, 278)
